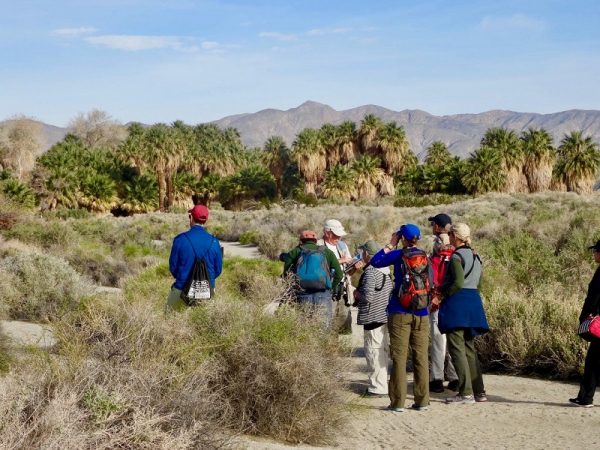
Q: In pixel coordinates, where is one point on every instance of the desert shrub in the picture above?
(69, 213)
(48, 235)
(249, 237)
(412, 200)
(5, 358)
(39, 287)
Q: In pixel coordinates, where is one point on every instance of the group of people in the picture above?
(430, 298)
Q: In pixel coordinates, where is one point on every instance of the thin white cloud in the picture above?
(514, 22)
(278, 36)
(324, 31)
(210, 45)
(134, 43)
(73, 32)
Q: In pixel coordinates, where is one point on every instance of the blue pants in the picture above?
(320, 302)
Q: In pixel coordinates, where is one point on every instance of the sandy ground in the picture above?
(521, 413)
(237, 249)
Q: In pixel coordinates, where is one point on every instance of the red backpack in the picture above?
(439, 264)
(416, 289)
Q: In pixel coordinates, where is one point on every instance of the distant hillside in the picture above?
(50, 133)
(462, 132)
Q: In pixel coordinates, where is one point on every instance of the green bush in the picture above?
(39, 287)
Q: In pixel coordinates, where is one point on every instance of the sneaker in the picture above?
(369, 394)
(436, 386)
(453, 385)
(576, 402)
(395, 408)
(461, 399)
(419, 407)
(481, 397)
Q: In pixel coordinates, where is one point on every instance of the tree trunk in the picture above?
(161, 191)
(386, 187)
(539, 178)
(515, 180)
(170, 191)
(582, 185)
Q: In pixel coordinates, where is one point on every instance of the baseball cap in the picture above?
(308, 235)
(199, 213)
(335, 226)
(371, 247)
(441, 219)
(409, 231)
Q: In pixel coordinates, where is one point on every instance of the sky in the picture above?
(163, 60)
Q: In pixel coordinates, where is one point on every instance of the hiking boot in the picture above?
(453, 385)
(481, 397)
(436, 386)
(419, 407)
(395, 408)
(369, 394)
(461, 400)
(577, 402)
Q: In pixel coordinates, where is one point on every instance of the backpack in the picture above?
(439, 264)
(415, 292)
(197, 287)
(312, 269)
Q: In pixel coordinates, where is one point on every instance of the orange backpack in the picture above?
(415, 292)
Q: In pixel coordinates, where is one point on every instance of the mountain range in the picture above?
(461, 132)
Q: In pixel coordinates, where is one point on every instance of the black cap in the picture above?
(441, 219)
(596, 246)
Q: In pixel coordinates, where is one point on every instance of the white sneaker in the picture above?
(461, 400)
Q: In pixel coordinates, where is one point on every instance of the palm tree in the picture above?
(539, 157)
(309, 154)
(346, 141)
(329, 135)
(578, 162)
(480, 172)
(277, 159)
(339, 184)
(394, 150)
(438, 155)
(369, 129)
(368, 175)
(506, 142)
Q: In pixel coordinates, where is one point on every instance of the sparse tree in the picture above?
(368, 132)
(20, 144)
(97, 129)
(506, 142)
(481, 172)
(438, 155)
(339, 184)
(309, 154)
(277, 158)
(368, 176)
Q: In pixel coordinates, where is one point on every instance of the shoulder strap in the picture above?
(194, 250)
(462, 261)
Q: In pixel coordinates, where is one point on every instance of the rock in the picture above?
(27, 333)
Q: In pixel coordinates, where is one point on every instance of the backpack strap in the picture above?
(462, 260)
(194, 250)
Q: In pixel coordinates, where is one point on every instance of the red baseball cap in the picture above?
(199, 213)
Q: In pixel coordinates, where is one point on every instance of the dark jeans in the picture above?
(591, 373)
(466, 363)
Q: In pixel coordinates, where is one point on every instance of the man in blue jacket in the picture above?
(196, 242)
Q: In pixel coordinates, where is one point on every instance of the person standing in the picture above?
(440, 362)
(317, 271)
(187, 246)
(333, 234)
(372, 296)
(461, 315)
(591, 371)
(407, 324)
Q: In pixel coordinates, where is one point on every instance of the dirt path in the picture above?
(237, 249)
(521, 413)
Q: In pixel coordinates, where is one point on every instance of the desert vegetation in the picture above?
(102, 166)
(124, 374)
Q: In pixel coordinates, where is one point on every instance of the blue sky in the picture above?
(162, 60)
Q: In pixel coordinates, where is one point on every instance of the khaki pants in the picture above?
(376, 353)
(408, 329)
(174, 302)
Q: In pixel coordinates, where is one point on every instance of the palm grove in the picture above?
(102, 166)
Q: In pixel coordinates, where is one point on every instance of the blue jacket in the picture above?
(463, 310)
(183, 257)
(382, 259)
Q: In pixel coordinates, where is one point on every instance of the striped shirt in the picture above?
(375, 287)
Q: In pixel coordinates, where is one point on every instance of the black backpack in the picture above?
(197, 287)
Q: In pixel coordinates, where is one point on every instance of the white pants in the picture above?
(437, 355)
(377, 344)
